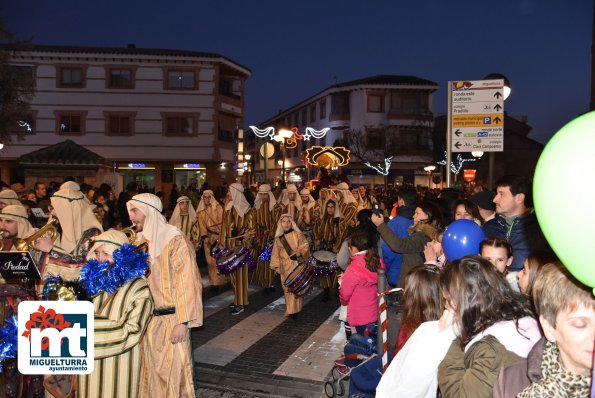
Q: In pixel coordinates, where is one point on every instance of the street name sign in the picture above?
(476, 115)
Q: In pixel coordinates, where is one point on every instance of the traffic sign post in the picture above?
(475, 118)
(477, 115)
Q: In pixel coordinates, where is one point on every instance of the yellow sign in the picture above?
(487, 120)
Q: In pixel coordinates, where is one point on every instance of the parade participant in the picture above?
(175, 284)
(327, 236)
(358, 199)
(266, 215)
(238, 231)
(309, 214)
(9, 197)
(14, 223)
(114, 277)
(291, 202)
(289, 251)
(367, 200)
(184, 217)
(77, 225)
(348, 206)
(210, 218)
(323, 195)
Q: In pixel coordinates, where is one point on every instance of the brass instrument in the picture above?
(130, 232)
(27, 243)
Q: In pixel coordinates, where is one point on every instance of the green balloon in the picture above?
(564, 195)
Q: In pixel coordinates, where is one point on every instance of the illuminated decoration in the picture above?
(325, 156)
(191, 166)
(137, 165)
(379, 169)
(26, 125)
(310, 132)
(269, 131)
(456, 167)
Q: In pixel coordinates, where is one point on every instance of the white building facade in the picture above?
(158, 116)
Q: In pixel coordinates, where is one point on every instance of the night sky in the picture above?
(298, 48)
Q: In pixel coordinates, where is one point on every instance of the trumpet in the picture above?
(130, 232)
(29, 242)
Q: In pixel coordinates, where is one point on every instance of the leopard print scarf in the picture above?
(557, 382)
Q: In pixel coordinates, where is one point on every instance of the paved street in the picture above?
(261, 352)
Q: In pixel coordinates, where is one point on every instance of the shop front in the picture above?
(144, 174)
(190, 175)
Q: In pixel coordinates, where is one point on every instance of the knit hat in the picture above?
(484, 200)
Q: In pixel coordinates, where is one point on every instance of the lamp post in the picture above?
(281, 136)
(429, 169)
(248, 163)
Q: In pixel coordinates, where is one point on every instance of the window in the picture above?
(71, 76)
(180, 124)
(409, 101)
(322, 109)
(23, 73)
(409, 139)
(375, 103)
(230, 87)
(120, 78)
(227, 127)
(119, 123)
(181, 80)
(70, 123)
(340, 104)
(313, 113)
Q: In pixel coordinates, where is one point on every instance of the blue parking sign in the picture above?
(487, 120)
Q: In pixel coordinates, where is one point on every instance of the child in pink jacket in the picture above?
(359, 283)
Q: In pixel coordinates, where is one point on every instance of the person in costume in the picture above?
(289, 250)
(291, 202)
(14, 223)
(309, 214)
(114, 277)
(77, 224)
(175, 284)
(210, 219)
(348, 206)
(267, 213)
(327, 236)
(238, 231)
(9, 197)
(366, 200)
(184, 217)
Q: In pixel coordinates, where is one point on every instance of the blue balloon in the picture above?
(461, 238)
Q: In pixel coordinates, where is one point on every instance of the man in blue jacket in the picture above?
(516, 220)
(407, 199)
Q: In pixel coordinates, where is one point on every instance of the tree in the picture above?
(374, 146)
(16, 90)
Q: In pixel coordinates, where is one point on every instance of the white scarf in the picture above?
(345, 194)
(110, 240)
(202, 205)
(19, 214)
(176, 216)
(280, 231)
(156, 230)
(311, 202)
(238, 200)
(285, 196)
(265, 188)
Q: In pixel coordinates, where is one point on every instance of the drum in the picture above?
(300, 280)
(230, 260)
(324, 262)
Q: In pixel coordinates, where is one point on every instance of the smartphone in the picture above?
(376, 209)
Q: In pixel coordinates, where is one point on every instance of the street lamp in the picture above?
(429, 169)
(281, 136)
(248, 163)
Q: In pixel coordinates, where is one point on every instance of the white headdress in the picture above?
(285, 196)
(279, 232)
(265, 189)
(311, 202)
(19, 214)
(238, 200)
(176, 218)
(156, 230)
(201, 204)
(344, 192)
(110, 240)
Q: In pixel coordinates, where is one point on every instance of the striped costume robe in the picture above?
(234, 226)
(266, 223)
(349, 219)
(328, 231)
(281, 262)
(174, 281)
(120, 324)
(209, 224)
(188, 227)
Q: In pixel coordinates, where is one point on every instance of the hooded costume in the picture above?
(186, 222)
(267, 213)
(210, 219)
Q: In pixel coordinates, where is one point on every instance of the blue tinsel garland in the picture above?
(266, 253)
(8, 340)
(128, 265)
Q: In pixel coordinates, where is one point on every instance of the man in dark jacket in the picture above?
(407, 199)
(515, 220)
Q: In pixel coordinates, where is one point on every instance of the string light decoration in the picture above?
(269, 131)
(456, 167)
(26, 125)
(310, 132)
(379, 169)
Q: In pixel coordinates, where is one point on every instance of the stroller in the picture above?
(361, 349)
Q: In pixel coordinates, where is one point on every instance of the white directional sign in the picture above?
(477, 115)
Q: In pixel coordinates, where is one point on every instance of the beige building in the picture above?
(156, 116)
(391, 114)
